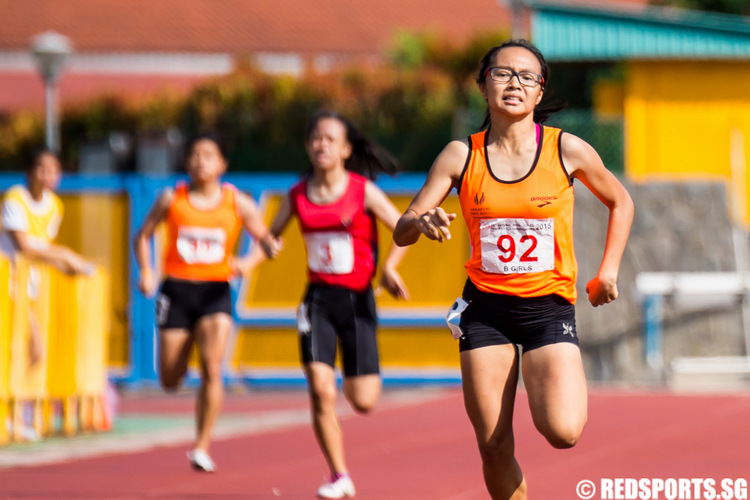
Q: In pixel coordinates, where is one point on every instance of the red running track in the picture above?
(417, 445)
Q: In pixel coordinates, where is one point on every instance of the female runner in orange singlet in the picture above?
(203, 218)
(515, 185)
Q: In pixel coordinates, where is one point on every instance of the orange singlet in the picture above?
(521, 231)
(200, 242)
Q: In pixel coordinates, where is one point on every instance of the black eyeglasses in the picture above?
(504, 75)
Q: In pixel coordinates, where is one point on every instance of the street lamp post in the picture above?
(50, 50)
(518, 23)
(519, 30)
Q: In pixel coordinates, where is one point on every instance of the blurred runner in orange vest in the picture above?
(203, 220)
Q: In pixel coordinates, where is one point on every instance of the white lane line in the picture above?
(180, 429)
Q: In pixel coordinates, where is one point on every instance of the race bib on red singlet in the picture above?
(201, 245)
(330, 252)
(511, 246)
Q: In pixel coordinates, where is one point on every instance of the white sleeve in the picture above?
(54, 226)
(14, 217)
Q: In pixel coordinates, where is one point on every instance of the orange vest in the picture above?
(521, 231)
(200, 241)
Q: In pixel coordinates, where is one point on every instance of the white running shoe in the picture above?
(343, 487)
(200, 461)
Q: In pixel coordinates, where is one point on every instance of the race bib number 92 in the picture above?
(511, 246)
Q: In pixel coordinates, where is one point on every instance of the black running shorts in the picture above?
(531, 322)
(336, 314)
(180, 304)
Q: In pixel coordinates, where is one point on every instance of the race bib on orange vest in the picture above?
(511, 246)
(201, 245)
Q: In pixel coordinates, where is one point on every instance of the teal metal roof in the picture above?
(576, 33)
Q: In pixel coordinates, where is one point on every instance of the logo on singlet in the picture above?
(478, 210)
(546, 200)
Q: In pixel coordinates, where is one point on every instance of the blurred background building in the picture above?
(140, 47)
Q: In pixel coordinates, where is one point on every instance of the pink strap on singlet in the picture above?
(538, 133)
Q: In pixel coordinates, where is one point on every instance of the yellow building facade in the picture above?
(688, 120)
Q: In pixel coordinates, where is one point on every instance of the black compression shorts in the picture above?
(340, 315)
(180, 304)
(531, 322)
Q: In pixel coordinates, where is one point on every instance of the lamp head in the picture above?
(50, 50)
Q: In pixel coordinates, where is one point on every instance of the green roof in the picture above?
(576, 33)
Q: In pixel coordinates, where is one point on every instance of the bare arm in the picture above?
(61, 257)
(254, 225)
(583, 163)
(283, 216)
(141, 242)
(384, 210)
(270, 244)
(424, 215)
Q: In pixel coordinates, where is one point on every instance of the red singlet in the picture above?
(340, 237)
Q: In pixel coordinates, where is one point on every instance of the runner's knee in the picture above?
(170, 382)
(565, 435)
(362, 393)
(211, 371)
(362, 404)
(322, 396)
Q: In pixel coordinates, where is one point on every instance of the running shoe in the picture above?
(200, 461)
(339, 486)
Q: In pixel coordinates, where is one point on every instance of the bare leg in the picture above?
(556, 385)
(211, 334)
(363, 391)
(321, 381)
(36, 350)
(174, 352)
(490, 376)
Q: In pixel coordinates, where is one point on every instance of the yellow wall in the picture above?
(96, 225)
(6, 311)
(679, 117)
(608, 97)
(433, 272)
(70, 317)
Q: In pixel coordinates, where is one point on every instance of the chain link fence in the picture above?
(606, 135)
